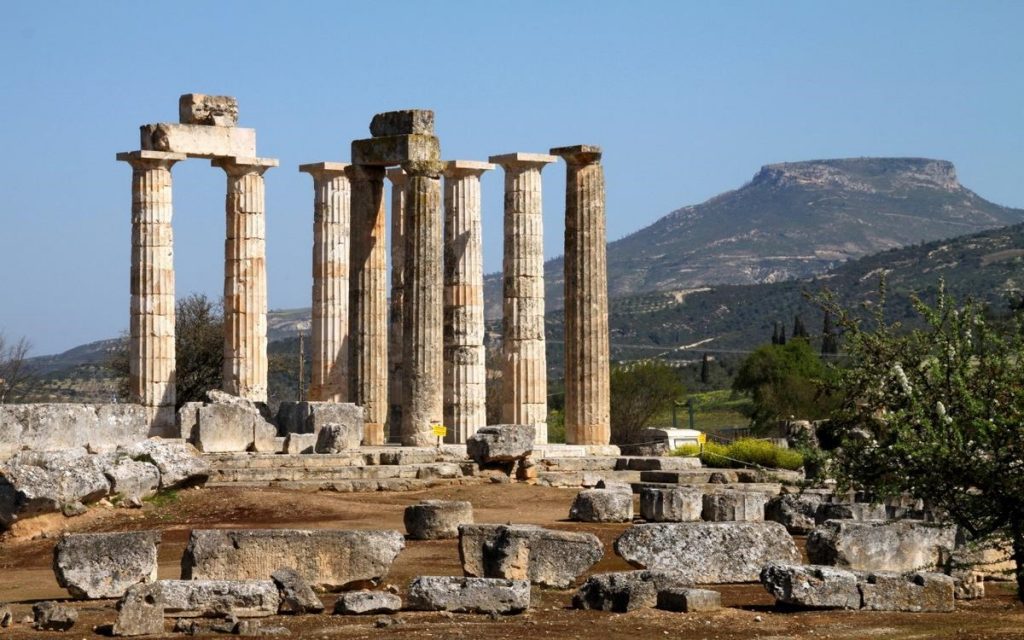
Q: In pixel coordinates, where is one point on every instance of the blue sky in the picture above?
(687, 99)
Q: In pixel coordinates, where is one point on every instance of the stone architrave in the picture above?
(524, 366)
(422, 308)
(397, 178)
(331, 204)
(151, 341)
(368, 300)
(465, 373)
(245, 278)
(587, 390)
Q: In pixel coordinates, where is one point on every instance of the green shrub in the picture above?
(743, 452)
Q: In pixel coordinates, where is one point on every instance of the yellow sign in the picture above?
(440, 430)
(702, 438)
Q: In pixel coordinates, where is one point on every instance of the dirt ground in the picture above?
(26, 575)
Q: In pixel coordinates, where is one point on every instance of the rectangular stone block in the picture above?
(56, 426)
(199, 108)
(223, 428)
(299, 443)
(402, 123)
(213, 598)
(918, 592)
(689, 600)
(198, 141)
(680, 504)
(393, 150)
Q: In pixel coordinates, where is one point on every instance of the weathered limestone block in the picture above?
(105, 565)
(676, 504)
(501, 443)
(437, 519)
(600, 505)
(212, 598)
(527, 552)
(179, 463)
(132, 480)
(297, 443)
(468, 595)
(883, 591)
(224, 428)
(403, 123)
(296, 594)
(708, 552)
(328, 558)
(849, 511)
(53, 616)
(335, 438)
(623, 591)
(198, 108)
(310, 417)
(663, 463)
(689, 600)
(365, 602)
(59, 426)
(386, 151)
(812, 586)
(734, 506)
(138, 615)
(188, 421)
(198, 141)
(968, 585)
(903, 545)
(34, 483)
(440, 470)
(795, 512)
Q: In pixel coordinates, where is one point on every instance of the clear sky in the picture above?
(688, 100)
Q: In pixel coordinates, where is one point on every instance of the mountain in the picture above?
(792, 220)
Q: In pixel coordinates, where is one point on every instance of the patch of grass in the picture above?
(164, 498)
(741, 452)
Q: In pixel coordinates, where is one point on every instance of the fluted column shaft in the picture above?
(465, 373)
(151, 363)
(368, 302)
(395, 375)
(587, 394)
(422, 315)
(331, 206)
(524, 372)
(245, 279)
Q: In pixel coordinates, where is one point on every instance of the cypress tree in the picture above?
(799, 330)
(704, 373)
(829, 341)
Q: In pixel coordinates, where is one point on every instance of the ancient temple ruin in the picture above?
(413, 361)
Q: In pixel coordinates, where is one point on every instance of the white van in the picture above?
(673, 438)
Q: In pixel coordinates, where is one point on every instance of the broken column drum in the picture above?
(465, 373)
(587, 392)
(422, 313)
(397, 178)
(524, 362)
(368, 310)
(329, 331)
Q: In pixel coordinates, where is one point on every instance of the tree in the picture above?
(829, 340)
(799, 330)
(639, 392)
(775, 332)
(784, 382)
(937, 412)
(705, 373)
(15, 375)
(199, 350)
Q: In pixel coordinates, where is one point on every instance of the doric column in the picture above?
(465, 373)
(587, 394)
(151, 352)
(331, 203)
(422, 313)
(397, 178)
(524, 371)
(368, 300)
(245, 278)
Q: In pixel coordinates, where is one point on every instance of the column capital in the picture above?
(424, 168)
(150, 158)
(329, 169)
(397, 176)
(523, 160)
(237, 165)
(460, 168)
(580, 154)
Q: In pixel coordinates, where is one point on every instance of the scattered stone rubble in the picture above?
(824, 587)
(902, 545)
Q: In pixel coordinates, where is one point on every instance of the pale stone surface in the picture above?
(225, 427)
(468, 595)
(587, 375)
(151, 354)
(327, 558)
(365, 602)
(524, 368)
(105, 565)
(179, 463)
(917, 592)
(501, 443)
(198, 141)
(708, 552)
(903, 545)
(689, 600)
(395, 375)
(202, 598)
(623, 591)
(337, 438)
(331, 215)
(245, 278)
(58, 426)
(310, 417)
(387, 151)
(601, 505)
(198, 108)
(422, 312)
(465, 373)
(188, 421)
(849, 511)
(732, 506)
(297, 596)
(812, 586)
(132, 480)
(32, 483)
(527, 552)
(297, 443)
(137, 615)
(368, 305)
(437, 519)
(795, 512)
(676, 504)
(53, 616)
(404, 122)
